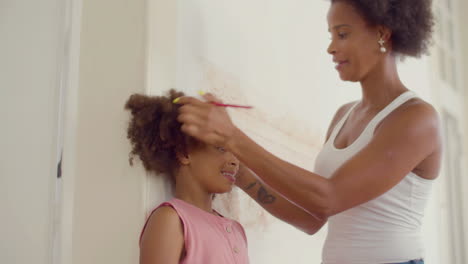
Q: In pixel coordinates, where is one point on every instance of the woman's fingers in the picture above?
(203, 120)
(194, 115)
(184, 100)
(198, 110)
(191, 119)
(191, 130)
(209, 137)
(211, 98)
(187, 100)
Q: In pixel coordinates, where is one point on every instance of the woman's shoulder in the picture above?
(413, 113)
(420, 104)
(415, 119)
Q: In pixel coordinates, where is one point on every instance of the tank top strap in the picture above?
(400, 100)
(340, 124)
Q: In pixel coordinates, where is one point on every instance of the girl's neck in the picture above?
(203, 203)
(191, 192)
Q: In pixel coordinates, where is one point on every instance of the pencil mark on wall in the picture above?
(286, 137)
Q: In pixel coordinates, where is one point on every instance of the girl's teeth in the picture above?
(229, 176)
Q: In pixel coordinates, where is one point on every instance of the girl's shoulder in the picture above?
(164, 215)
(163, 218)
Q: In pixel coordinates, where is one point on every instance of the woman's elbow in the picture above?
(315, 227)
(322, 210)
(324, 205)
(311, 232)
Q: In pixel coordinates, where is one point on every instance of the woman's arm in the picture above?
(277, 205)
(398, 146)
(401, 142)
(163, 238)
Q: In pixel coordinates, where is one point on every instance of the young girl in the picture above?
(185, 229)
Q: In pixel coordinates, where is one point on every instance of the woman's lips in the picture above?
(340, 65)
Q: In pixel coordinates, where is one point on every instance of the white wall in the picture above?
(31, 49)
(108, 204)
(463, 20)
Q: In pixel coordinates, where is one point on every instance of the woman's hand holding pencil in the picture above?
(207, 121)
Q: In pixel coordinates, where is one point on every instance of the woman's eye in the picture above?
(342, 35)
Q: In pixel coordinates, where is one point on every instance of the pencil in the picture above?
(232, 105)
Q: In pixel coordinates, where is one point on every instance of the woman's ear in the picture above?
(384, 33)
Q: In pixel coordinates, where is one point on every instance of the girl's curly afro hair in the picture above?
(154, 132)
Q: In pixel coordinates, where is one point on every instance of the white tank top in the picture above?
(386, 229)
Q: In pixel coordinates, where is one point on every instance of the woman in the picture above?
(373, 176)
(184, 229)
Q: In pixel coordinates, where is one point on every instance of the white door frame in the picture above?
(447, 88)
(62, 220)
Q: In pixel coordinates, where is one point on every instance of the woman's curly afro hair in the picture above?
(154, 132)
(411, 22)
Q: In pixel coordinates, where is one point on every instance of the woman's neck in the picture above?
(382, 85)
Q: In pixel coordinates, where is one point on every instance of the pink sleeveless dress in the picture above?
(209, 239)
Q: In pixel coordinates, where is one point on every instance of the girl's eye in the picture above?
(221, 149)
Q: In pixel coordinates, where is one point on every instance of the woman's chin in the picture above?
(346, 78)
(343, 76)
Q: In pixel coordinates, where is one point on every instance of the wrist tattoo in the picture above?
(264, 197)
(262, 194)
(250, 186)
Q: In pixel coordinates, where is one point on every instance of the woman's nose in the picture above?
(331, 48)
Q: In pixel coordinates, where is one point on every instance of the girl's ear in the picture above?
(183, 158)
